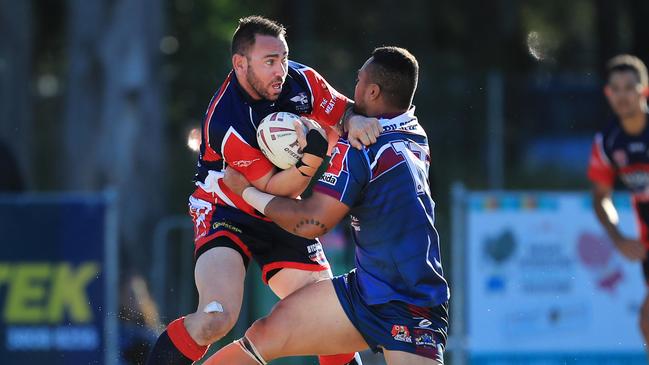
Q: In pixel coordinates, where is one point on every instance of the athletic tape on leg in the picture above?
(250, 350)
(213, 307)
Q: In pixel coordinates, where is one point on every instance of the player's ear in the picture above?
(645, 91)
(239, 62)
(373, 90)
(607, 91)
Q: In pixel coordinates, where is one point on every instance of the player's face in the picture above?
(625, 93)
(267, 66)
(360, 91)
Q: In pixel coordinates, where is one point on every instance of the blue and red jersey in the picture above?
(617, 154)
(230, 125)
(386, 188)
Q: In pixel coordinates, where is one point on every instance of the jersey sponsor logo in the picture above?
(329, 178)
(407, 126)
(637, 147)
(401, 333)
(244, 163)
(620, 158)
(300, 98)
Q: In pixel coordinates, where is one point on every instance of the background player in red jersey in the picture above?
(228, 231)
(621, 151)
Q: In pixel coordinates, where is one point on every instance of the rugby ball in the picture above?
(277, 139)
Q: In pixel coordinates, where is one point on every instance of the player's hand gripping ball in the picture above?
(278, 138)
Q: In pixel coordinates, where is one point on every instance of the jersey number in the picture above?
(416, 159)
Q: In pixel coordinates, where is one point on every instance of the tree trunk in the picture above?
(113, 113)
(15, 80)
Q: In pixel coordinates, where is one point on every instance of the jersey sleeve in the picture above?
(600, 169)
(244, 158)
(328, 104)
(346, 176)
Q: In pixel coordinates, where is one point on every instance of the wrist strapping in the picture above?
(257, 199)
(313, 153)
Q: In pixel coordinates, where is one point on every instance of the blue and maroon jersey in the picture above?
(392, 214)
(230, 125)
(616, 154)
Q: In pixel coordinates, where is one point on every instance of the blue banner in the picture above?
(57, 279)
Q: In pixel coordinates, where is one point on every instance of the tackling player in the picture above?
(228, 231)
(396, 300)
(621, 150)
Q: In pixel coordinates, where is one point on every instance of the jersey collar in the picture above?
(401, 121)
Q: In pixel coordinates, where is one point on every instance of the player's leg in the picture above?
(295, 263)
(309, 321)
(219, 272)
(289, 280)
(644, 309)
(219, 276)
(644, 320)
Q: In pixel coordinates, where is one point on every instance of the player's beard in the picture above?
(259, 87)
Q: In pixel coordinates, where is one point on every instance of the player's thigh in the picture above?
(288, 280)
(219, 274)
(406, 358)
(309, 321)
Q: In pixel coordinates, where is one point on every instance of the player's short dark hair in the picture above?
(627, 62)
(249, 27)
(396, 71)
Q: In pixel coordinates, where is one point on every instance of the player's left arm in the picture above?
(307, 218)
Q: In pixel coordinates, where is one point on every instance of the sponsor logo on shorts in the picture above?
(243, 163)
(227, 226)
(316, 254)
(423, 337)
(425, 323)
(401, 333)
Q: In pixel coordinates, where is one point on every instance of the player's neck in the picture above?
(385, 112)
(636, 123)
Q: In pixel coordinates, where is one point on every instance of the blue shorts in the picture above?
(395, 325)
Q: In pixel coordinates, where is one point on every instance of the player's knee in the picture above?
(268, 339)
(215, 326)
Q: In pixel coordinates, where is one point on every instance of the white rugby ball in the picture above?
(277, 139)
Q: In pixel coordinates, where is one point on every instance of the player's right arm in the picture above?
(602, 174)
(256, 168)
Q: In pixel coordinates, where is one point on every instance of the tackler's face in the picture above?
(267, 66)
(625, 93)
(361, 91)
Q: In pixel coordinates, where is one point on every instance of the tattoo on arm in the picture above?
(313, 222)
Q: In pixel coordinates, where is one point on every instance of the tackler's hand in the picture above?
(301, 133)
(362, 130)
(235, 180)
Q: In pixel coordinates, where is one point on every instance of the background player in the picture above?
(621, 150)
(228, 231)
(396, 298)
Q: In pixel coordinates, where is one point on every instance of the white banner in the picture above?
(544, 278)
